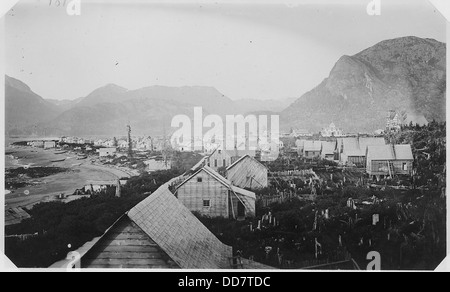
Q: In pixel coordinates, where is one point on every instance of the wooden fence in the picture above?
(336, 258)
(283, 197)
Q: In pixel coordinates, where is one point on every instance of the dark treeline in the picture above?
(59, 225)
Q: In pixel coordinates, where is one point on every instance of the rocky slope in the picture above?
(406, 74)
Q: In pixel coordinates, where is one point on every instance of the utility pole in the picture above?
(130, 143)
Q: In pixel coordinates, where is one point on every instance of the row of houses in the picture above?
(138, 143)
(371, 153)
(76, 140)
(42, 144)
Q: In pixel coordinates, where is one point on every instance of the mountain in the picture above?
(256, 105)
(209, 98)
(146, 116)
(110, 93)
(150, 110)
(64, 104)
(107, 110)
(24, 108)
(405, 74)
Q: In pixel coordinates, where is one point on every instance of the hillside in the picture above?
(405, 74)
(256, 105)
(24, 108)
(107, 110)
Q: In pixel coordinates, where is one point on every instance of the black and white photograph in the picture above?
(153, 135)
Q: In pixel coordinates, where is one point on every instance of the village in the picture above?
(323, 204)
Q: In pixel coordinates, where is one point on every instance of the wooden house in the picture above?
(353, 149)
(158, 233)
(389, 160)
(349, 151)
(221, 158)
(126, 246)
(312, 149)
(212, 195)
(49, 144)
(328, 150)
(300, 144)
(248, 173)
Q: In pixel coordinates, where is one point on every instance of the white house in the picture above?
(49, 144)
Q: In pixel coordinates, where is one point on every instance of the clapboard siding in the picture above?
(398, 167)
(381, 167)
(217, 159)
(127, 246)
(248, 173)
(193, 193)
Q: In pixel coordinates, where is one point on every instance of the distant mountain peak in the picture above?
(111, 87)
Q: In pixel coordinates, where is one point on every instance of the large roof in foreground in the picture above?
(126, 246)
(179, 233)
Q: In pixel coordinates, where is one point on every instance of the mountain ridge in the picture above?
(405, 74)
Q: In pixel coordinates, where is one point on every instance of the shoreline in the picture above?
(47, 188)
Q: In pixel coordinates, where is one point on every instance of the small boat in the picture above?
(61, 152)
(58, 160)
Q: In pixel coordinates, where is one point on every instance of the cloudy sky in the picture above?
(246, 50)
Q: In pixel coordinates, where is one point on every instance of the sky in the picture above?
(245, 50)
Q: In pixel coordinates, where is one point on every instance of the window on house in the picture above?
(405, 166)
(220, 151)
(199, 179)
(206, 203)
(224, 163)
(215, 162)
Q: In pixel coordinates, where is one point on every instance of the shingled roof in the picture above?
(179, 233)
(389, 152)
(403, 152)
(15, 216)
(315, 146)
(364, 142)
(380, 152)
(241, 159)
(358, 146)
(328, 148)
